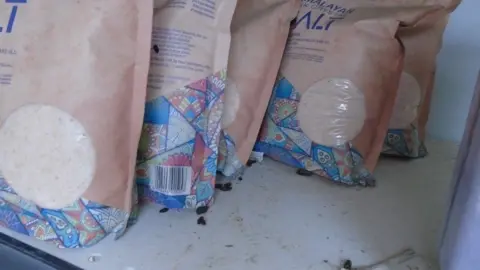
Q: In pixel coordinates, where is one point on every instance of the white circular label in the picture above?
(409, 96)
(332, 111)
(46, 156)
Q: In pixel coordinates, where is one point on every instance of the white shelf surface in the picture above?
(275, 219)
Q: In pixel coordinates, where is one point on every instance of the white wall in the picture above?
(458, 66)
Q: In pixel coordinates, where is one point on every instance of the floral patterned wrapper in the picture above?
(180, 136)
(282, 139)
(178, 150)
(229, 165)
(82, 224)
(404, 143)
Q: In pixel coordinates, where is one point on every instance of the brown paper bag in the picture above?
(72, 90)
(406, 132)
(177, 161)
(259, 33)
(337, 85)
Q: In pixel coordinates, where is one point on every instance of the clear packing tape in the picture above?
(332, 111)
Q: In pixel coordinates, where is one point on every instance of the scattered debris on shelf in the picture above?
(201, 221)
(224, 187)
(347, 265)
(304, 172)
(94, 257)
(202, 210)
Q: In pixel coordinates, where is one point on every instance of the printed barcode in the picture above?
(171, 180)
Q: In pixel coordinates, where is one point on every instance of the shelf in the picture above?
(275, 219)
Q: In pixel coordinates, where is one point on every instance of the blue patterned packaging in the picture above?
(89, 68)
(177, 159)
